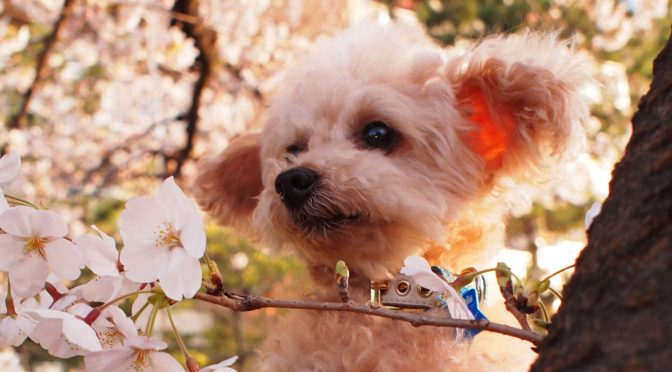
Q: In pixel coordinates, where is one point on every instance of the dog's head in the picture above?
(376, 143)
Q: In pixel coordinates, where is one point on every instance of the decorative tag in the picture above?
(470, 296)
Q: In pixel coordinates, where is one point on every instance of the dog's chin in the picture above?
(324, 224)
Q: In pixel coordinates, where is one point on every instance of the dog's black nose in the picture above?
(295, 185)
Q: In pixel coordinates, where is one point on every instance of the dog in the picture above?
(378, 147)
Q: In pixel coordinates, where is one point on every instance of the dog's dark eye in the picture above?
(294, 149)
(379, 135)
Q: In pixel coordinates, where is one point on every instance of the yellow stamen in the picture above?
(35, 245)
(167, 236)
(140, 363)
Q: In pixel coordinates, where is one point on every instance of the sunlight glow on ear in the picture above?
(491, 139)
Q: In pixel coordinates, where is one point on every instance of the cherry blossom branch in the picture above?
(41, 66)
(243, 303)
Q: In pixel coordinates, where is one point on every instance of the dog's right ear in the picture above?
(227, 185)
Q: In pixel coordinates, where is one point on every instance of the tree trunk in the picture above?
(617, 309)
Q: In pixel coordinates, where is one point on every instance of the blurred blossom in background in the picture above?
(133, 91)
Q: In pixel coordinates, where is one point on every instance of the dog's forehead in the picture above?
(320, 98)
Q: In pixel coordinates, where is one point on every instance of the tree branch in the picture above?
(106, 165)
(204, 40)
(245, 303)
(41, 66)
(520, 317)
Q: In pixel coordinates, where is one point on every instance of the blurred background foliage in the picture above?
(111, 114)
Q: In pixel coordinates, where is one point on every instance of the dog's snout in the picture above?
(295, 185)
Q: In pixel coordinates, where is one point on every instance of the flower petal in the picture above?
(62, 334)
(222, 366)
(123, 323)
(161, 361)
(140, 220)
(100, 288)
(9, 168)
(182, 212)
(47, 224)
(49, 334)
(114, 360)
(3, 202)
(146, 343)
(142, 264)
(65, 302)
(11, 333)
(175, 202)
(192, 237)
(11, 250)
(28, 275)
(63, 258)
(81, 334)
(419, 269)
(27, 222)
(100, 252)
(15, 221)
(181, 276)
(26, 324)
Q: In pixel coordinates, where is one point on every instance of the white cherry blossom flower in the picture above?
(101, 256)
(223, 366)
(164, 239)
(113, 327)
(9, 168)
(33, 246)
(64, 334)
(139, 353)
(15, 325)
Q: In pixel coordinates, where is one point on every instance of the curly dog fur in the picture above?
(463, 130)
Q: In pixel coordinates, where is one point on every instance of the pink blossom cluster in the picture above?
(159, 265)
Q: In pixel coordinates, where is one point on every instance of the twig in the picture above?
(106, 159)
(558, 272)
(556, 293)
(510, 304)
(179, 16)
(41, 66)
(250, 302)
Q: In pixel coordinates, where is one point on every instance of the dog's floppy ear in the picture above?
(520, 97)
(227, 185)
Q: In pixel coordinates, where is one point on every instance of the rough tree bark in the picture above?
(617, 308)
